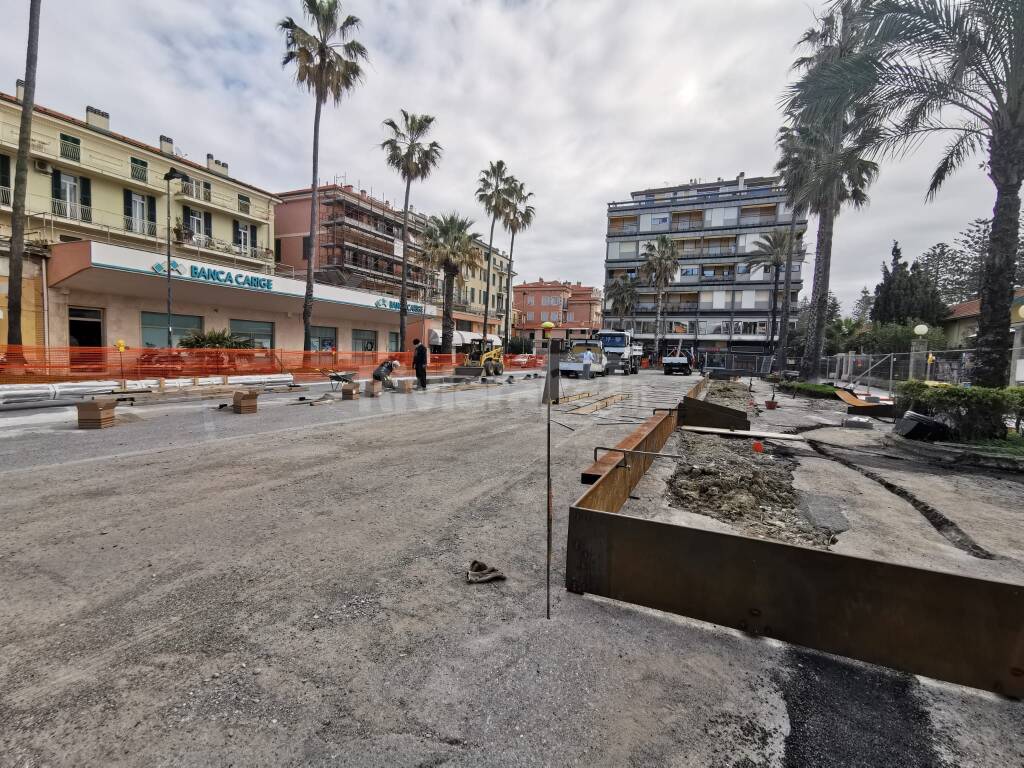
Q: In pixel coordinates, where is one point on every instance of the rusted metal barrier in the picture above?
(942, 625)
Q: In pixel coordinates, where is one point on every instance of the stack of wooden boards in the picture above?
(244, 400)
(96, 414)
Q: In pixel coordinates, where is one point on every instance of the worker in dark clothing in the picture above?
(419, 362)
(383, 373)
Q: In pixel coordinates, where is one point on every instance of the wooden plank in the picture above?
(942, 625)
(743, 433)
(604, 402)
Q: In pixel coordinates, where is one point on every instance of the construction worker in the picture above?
(383, 373)
(588, 360)
(419, 363)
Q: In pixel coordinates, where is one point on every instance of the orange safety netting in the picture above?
(38, 365)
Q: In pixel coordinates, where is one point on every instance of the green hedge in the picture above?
(972, 413)
(807, 390)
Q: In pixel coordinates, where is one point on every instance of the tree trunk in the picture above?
(819, 304)
(774, 310)
(487, 279)
(997, 276)
(657, 326)
(403, 301)
(447, 319)
(788, 287)
(314, 221)
(508, 291)
(14, 338)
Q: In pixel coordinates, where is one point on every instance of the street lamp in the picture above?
(171, 174)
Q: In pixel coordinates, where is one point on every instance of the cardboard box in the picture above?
(350, 391)
(244, 400)
(404, 386)
(96, 414)
(372, 388)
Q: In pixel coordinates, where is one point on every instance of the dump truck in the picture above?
(622, 352)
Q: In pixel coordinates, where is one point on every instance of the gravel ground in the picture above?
(196, 588)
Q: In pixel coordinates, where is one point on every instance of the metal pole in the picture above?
(892, 360)
(170, 336)
(550, 515)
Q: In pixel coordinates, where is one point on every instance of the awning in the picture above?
(460, 338)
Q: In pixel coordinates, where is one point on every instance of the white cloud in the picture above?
(585, 101)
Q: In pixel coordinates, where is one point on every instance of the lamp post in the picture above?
(171, 174)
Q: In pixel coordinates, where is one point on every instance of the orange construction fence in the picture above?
(38, 365)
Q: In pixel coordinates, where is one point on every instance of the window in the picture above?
(529, 316)
(543, 317)
(659, 222)
(306, 245)
(742, 269)
(242, 237)
(689, 271)
(323, 338)
(85, 327)
(627, 250)
(139, 169)
(393, 341)
(472, 295)
(154, 328)
(569, 317)
(529, 299)
(260, 332)
(277, 250)
(244, 203)
(5, 180)
(364, 341)
(72, 197)
(70, 147)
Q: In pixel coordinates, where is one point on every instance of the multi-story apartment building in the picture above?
(721, 296)
(473, 293)
(575, 309)
(103, 207)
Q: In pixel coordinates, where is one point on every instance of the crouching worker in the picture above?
(383, 373)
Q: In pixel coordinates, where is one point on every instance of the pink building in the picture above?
(574, 308)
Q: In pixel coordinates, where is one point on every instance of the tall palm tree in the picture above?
(448, 247)
(623, 294)
(517, 217)
(825, 161)
(791, 169)
(938, 66)
(774, 250)
(408, 152)
(14, 338)
(326, 64)
(661, 264)
(493, 192)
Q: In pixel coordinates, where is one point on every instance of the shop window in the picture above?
(393, 340)
(364, 341)
(260, 332)
(323, 338)
(85, 327)
(154, 328)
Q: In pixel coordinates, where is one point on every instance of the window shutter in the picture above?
(208, 223)
(85, 192)
(252, 235)
(151, 209)
(236, 235)
(127, 203)
(55, 185)
(5, 171)
(186, 218)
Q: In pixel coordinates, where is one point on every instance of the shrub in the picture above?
(971, 413)
(214, 340)
(1015, 405)
(807, 390)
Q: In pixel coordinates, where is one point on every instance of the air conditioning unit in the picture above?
(42, 166)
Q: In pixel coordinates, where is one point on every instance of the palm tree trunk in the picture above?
(508, 292)
(14, 338)
(403, 301)
(775, 309)
(314, 220)
(819, 303)
(657, 326)
(788, 286)
(997, 277)
(487, 280)
(447, 319)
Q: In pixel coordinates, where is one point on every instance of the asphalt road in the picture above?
(194, 587)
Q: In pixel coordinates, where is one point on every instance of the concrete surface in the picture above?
(194, 587)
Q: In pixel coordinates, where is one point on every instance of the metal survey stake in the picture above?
(549, 398)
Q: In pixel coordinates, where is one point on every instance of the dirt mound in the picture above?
(732, 394)
(751, 491)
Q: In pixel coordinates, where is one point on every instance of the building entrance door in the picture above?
(85, 327)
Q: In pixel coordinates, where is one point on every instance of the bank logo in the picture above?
(161, 268)
(395, 306)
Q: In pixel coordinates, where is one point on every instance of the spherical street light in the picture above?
(921, 329)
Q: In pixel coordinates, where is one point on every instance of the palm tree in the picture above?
(517, 217)
(327, 64)
(937, 66)
(407, 151)
(493, 192)
(660, 267)
(448, 247)
(824, 161)
(774, 250)
(622, 292)
(14, 338)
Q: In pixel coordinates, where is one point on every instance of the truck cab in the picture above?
(621, 350)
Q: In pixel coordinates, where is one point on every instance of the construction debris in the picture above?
(479, 572)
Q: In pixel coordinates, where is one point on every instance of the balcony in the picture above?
(195, 189)
(140, 173)
(186, 239)
(726, 277)
(5, 196)
(70, 210)
(70, 150)
(625, 229)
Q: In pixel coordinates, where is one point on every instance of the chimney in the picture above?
(348, 188)
(362, 193)
(215, 165)
(741, 180)
(167, 145)
(19, 90)
(97, 118)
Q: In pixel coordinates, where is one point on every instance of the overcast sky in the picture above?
(585, 100)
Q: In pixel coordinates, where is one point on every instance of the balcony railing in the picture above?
(754, 192)
(244, 206)
(139, 226)
(70, 210)
(197, 240)
(140, 172)
(196, 190)
(624, 229)
(69, 150)
(5, 196)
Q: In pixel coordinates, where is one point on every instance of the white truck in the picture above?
(572, 363)
(623, 353)
(677, 362)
